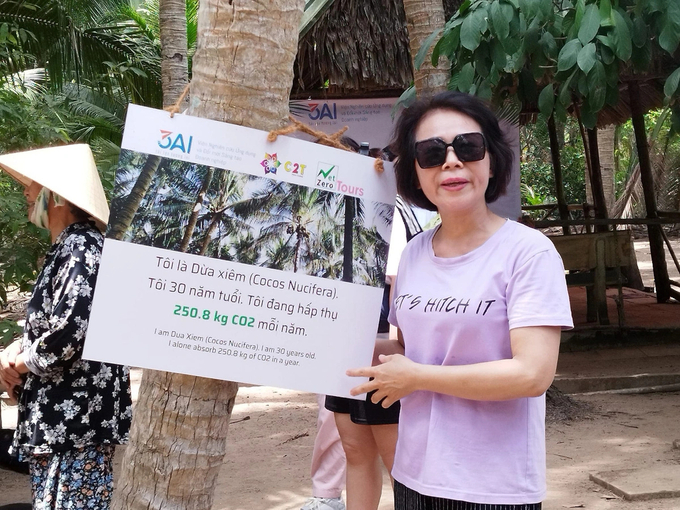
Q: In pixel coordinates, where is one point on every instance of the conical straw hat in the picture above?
(68, 170)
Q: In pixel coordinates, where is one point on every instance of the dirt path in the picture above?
(272, 432)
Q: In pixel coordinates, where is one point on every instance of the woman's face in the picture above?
(455, 186)
(31, 193)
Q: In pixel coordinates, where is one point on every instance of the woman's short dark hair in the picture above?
(404, 140)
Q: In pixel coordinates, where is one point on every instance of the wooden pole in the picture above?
(557, 169)
(596, 179)
(661, 278)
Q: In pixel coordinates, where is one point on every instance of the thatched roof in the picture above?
(360, 47)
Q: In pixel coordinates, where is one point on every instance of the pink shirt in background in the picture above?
(459, 311)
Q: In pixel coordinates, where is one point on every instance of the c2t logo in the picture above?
(170, 142)
(325, 111)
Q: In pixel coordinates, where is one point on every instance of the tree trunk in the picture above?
(661, 278)
(122, 213)
(348, 246)
(191, 225)
(596, 180)
(557, 170)
(605, 143)
(174, 63)
(422, 18)
(242, 73)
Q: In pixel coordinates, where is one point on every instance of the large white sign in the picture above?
(235, 264)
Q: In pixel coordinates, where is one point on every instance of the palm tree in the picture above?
(290, 213)
(181, 430)
(222, 199)
(85, 42)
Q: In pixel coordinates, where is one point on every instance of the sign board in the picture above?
(226, 256)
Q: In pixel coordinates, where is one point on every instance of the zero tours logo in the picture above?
(326, 176)
(170, 142)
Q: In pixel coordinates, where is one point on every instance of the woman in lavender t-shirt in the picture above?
(479, 303)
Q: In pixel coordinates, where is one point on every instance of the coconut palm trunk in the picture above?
(191, 225)
(124, 210)
(242, 73)
(172, 16)
(422, 18)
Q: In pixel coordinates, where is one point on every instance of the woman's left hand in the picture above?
(393, 379)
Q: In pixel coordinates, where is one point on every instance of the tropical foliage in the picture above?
(557, 54)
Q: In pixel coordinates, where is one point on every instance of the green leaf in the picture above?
(640, 37)
(515, 3)
(590, 24)
(532, 36)
(588, 115)
(580, 12)
(484, 91)
(597, 87)
(669, 37)
(620, 36)
(528, 8)
(564, 95)
(466, 77)
(471, 30)
(549, 45)
(672, 82)
(605, 13)
(568, 22)
(482, 60)
(673, 13)
(587, 57)
(545, 7)
(499, 20)
(499, 55)
(464, 7)
(546, 100)
(568, 55)
(446, 45)
(607, 55)
(425, 48)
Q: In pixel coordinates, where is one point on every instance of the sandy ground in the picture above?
(272, 432)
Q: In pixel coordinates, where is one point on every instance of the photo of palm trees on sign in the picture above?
(182, 206)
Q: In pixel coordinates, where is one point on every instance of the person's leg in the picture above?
(385, 437)
(364, 475)
(328, 457)
(81, 478)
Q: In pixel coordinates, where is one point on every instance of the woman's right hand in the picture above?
(9, 376)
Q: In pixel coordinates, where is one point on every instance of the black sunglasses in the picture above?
(467, 146)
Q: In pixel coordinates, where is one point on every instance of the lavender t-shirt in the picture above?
(459, 311)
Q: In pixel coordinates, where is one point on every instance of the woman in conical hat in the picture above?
(71, 411)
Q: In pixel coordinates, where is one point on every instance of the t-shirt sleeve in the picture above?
(537, 293)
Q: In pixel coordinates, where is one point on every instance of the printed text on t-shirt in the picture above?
(444, 304)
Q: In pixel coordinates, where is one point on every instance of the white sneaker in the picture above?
(315, 503)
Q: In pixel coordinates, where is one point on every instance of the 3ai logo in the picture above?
(323, 112)
(270, 163)
(170, 142)
(326, 175)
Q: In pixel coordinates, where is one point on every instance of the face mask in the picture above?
(39, 215)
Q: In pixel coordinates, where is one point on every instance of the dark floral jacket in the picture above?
(67, 402)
